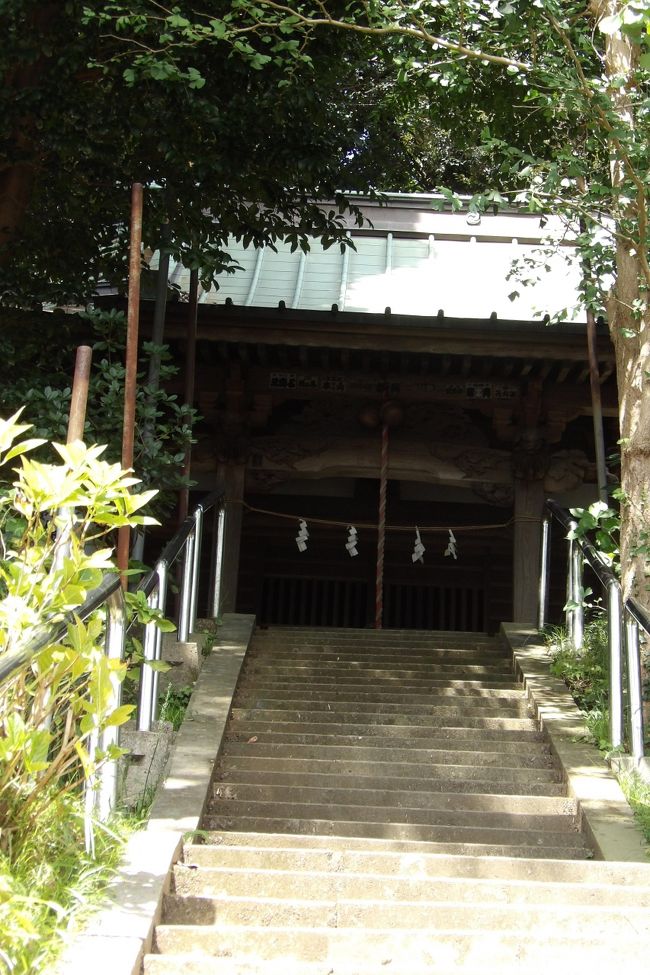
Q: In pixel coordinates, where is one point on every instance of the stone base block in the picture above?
(142, 770)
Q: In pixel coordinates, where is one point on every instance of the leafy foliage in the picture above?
(54, 520)
(600, 523)
(242, 139)
(42, 385)
(174, 705)
(585, 670)
(586, 674)
(50, 884)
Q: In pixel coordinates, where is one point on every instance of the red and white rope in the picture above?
(381, 529)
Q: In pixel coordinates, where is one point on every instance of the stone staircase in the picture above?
(386, 803)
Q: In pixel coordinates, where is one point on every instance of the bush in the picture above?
(54, 520)
(586, 674)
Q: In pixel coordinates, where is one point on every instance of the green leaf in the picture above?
(161, 666)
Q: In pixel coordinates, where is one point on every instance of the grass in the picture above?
(586, 674)
(585, 671)
(174, 705)
(637, 793)
(50, 885)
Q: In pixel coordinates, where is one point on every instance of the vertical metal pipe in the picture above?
(381, 529)
(544, 572)
(186, 590)
(635, 687)
(196, 566)
(570, 591)
(79, 399)
(218, 562)
(89, 794)
(152, 648)
(161, 602)
(115, 629)
(190, 372)
(578, 589)
(146, 696)
(614, 633)
(130, 379)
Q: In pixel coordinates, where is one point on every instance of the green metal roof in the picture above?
(415, 261)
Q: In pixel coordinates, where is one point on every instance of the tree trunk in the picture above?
(632, 369)
(630, 333)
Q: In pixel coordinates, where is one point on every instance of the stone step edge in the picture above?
(605, 815)
(449, 884)
(462, 802)
(620, 913)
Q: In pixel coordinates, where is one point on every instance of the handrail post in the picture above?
(161, 569)
(114, 648)
(570, 590)
(152, 648)
(578, 607)
(145, 716)
(634, 681)
(186, 588)
(614, 635)
(544, 571)
(218, 562)
(196, 566)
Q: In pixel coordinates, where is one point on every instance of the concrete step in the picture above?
(386, 656)
(437, 782)
(443, 951)
(467, 813)
(298, 882)
(255, 696)
(191, 964)
(369, 915)
(417, 716)
(391, 683)
(436, 801)
(355, 634)
(371, 670)
(400, 858)
(351, 766)
(395, 692)
(386, 735)
(412, 755)
(374, 642)
(414, 845)
(417, 705)
(425, 718)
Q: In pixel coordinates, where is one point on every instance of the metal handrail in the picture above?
(109, 595)
(11, 662)
(186, 540)
(623, 621)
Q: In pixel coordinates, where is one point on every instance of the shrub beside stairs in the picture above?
(386, 803)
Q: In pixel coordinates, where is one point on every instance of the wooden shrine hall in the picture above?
(414, 355)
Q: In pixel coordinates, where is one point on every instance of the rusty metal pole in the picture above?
(130, 379)
(190, 371)
(79, 399)
(596, 407)
(381, 529)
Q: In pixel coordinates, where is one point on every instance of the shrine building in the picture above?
(416, 349)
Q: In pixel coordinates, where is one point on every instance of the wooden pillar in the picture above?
(232, 477)
(529, 505)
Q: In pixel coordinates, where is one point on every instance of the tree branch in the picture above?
(416, 33)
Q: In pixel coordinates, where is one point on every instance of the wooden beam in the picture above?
(398, 333)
